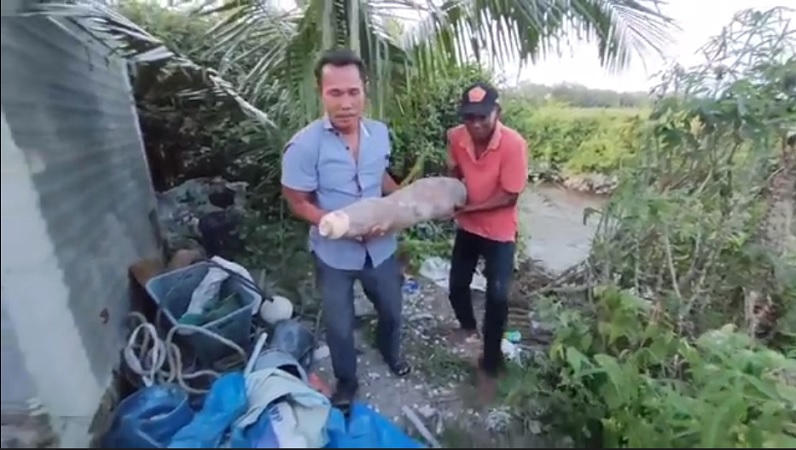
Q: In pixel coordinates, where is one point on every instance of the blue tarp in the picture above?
(159, 416)
(225, 402)
(366, 428)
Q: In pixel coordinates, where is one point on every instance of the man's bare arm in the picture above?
(454, 170)
(388, 185)
(302, 205)
(500, 199)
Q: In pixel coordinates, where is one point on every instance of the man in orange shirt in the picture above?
(492, 161)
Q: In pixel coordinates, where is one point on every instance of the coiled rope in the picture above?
(159, 360)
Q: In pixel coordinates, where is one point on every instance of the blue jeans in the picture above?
(499, 270)
(382, 285)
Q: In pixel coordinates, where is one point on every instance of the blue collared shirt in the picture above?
(317, 159)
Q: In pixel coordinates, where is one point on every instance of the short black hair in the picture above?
(339, 58)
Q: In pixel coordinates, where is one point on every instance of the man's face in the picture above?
(480, 127)
(343, 95)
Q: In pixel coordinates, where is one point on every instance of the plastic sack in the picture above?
(275, 428)
(365, 428)
(260, 434)
(225, 402)
(149, 418)
(425, 199)
(294, 338)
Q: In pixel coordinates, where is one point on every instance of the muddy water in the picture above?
(551, 218)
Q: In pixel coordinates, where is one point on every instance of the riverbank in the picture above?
(587, 183)
(554, 225)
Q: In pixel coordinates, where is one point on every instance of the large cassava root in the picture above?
(425, 199)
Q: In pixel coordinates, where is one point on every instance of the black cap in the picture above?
(479, 99)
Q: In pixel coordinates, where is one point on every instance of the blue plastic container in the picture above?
(172, 292)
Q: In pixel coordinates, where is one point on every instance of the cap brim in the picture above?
(476, 109)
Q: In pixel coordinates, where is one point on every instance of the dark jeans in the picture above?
(499, 270)
(382, 285)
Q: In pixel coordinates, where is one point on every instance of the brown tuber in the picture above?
(425, 199)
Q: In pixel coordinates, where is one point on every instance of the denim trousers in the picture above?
(382, 285)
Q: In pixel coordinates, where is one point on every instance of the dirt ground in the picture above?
(441, 389)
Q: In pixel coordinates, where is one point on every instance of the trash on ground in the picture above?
(221, 363)
(410, 287)
(228, 315)
(225, 402)
(278, 308)
(511, 351)
(269, 398)
(204, 306)
(513, 336)
(300, 413)
(365, 428)
(149, 418)
(202, 212)
(437, 270)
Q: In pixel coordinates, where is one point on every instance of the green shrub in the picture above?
(623, 377)
(576, 140)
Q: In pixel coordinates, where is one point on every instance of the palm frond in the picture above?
(452, 31)
(128, 40)
(529, 30)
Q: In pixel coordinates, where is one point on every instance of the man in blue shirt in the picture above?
(331, 163)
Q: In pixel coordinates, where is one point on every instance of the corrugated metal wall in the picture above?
(69, 109)
(17, 387)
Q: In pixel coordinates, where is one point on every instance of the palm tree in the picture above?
(448, 31)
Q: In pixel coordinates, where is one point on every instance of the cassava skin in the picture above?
(425, 199)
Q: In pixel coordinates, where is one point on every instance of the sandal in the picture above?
(401, 368)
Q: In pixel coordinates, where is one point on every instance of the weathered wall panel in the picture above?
(71, 138)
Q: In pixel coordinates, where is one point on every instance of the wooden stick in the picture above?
(421, 428)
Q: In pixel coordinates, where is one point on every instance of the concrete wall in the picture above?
(77, 210)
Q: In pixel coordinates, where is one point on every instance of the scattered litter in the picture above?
(204, 297)
(225, 402)
(498, 419)
(513, 336)
(410, 287)
(202, 211)
(278, 308)
(437, 270)
(365, 427)
(534, 426)
(511, 351)
(294, 410)
(321, 352)
(149, 418)
(230, 316)
(421, 428)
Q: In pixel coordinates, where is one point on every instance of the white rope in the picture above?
(158, 360)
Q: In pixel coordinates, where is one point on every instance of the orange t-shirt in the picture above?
(503, 166)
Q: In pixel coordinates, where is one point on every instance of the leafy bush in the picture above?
(684, 257)
(188, 136)
(625, 378)
(576, 140)
(419, 117)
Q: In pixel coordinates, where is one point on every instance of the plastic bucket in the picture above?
(172, 292)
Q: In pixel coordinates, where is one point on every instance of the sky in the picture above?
(698, 20)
